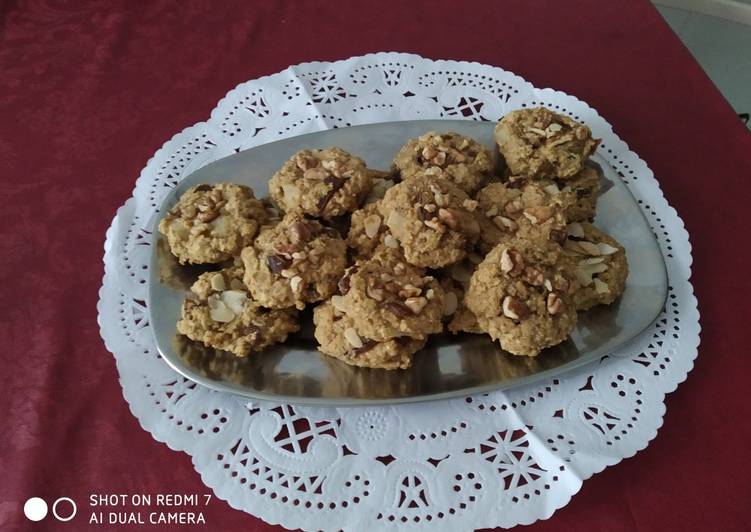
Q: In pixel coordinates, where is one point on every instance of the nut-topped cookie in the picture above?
(338, 337)
(212, 223)
(599, 263)
(224, 315)
(432, 219)
(321, 183)
(454, 157)
(521, 296)
(387, 297)
(523, 209)
(539, 143)
(455, 282)
(368, 230)
(294, 262)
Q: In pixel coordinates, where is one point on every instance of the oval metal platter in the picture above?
(450, 365)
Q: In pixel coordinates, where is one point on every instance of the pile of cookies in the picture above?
(453, 238)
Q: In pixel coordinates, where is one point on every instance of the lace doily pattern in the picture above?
(496, 459)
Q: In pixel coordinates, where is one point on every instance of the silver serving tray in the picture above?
(449, 366)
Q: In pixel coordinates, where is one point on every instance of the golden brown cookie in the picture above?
(521, 296)
(212, 223)
(294, 262)
(537, 143)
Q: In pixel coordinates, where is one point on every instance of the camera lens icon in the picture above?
(64, 509)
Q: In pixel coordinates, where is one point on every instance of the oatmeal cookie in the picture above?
(321, 183)
(386, 297)
(368, 230)
(338, 337)
(212, 223)
(224, 315)
(521, 296)
(456, 158)
(523, 209)
(295, 262)
(432, 219)
(539, 143)
(599, 263)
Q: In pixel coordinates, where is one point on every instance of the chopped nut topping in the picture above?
(434, 224)
(430, 294)
(352, 337)
(537, 130)
(338, 302)
(533, 276)
(506, 263)
(375, 293)
(390, 242)
(606, 249)
(552, 190)
(396, 221)
(601, 287)
(492, 211)
(288, 274)
(584, 272)
(416, 304)
(399, 309)
(315, 173)
(589, 247)
(450, 217)
(217, 282)
(470, 204)
(505, 223)
(514, 309)
(295, 283)
(299, 233)
(372, 224)
(575, 230)
(532, 218)
(554, 304)
(430, 207)
(548, 285)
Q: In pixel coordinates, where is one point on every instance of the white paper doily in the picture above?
(496, 459)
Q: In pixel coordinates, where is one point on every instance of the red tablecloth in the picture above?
(91, 90)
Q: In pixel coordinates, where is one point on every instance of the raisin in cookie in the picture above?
(338, 337)
(521, 296)
(432, 219)
(212, 223)
(321, 183)
(523, 209)
(295, 262)
(459, 159)
(224, 315)
(368, 230)
(386, 297)
(538, 143)
(599, 263)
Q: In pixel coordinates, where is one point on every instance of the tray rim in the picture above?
(225, 386)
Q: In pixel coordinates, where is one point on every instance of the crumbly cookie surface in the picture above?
(294, 262)
(321, 183)
(455, 281)
(337, 336)
(520, 209)
(223, 315)
(521, 296)
(432, 219)
(212, 223)
(539, 143)
(386, 297)
(599, 263)
(451, 156)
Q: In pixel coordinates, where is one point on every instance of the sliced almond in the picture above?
(601, 287)
(235, 300)
(352, 337)
(295, 283)
(372, 224)
(589, 247)
(606, 249)
(221, 313)
(531, 217)
(537, 130)
(554, 127)
(548, 285)
(593, 260)
(552, 189)
(396, 221)
(217, 282)
(506, 263)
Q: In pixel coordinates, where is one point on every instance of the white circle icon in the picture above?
(67, 517)
(35, 509)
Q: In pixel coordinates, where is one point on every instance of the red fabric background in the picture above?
(88, 91)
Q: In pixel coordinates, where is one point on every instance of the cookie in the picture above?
(337, 337)
(539, 143)
(212, 223)
(432, 219)
(368, 230)
(599, 263)
(294, 262)
(321, 183)
(386, 297)
(520, 209)
(451, 156)
(223, 315)
(521, 296)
